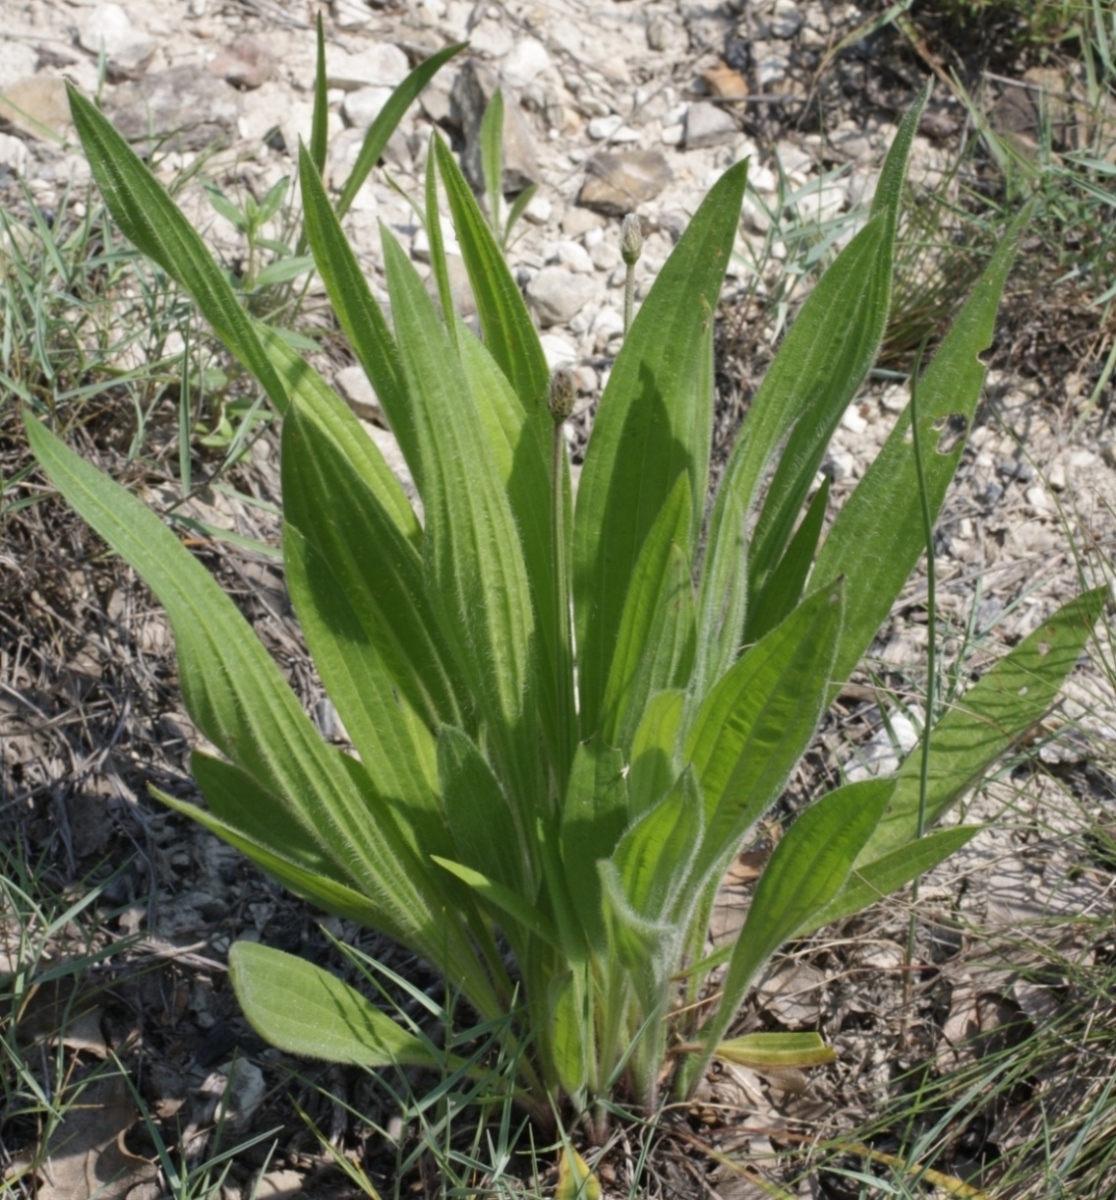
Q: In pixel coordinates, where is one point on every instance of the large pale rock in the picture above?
(128, 51)
(619, 183)
(524, 63)
(245, 63)
(378, 65)
(708, 125)
(183, 108)
(472, 92)
(36, 106)
(557, 295)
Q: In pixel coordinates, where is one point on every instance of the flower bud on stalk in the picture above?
(631, 247)
(561, 395)
(631, 239)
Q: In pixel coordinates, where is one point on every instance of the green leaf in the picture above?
(380, 131)
(654, 645)
(758, 720)
(473, 562)
(335, 494)
(722, 603)
(825, 383)
(654, 748)
(593, 818)
(480, 818)
(509, 332)
(319, 120)
(507, 901)
(806, 870)
(570, 1033)
(305, 1010)
(772, 1051)
(153, 223)
(282, 271)
(784, 586)
(654, 857)
(283, 861)
(877, 537)
(397, 752)
(653, 424)
(358, 312)
(871, 881)
(243, 705)
(1007, 701)
(491, 145)
(522, 462)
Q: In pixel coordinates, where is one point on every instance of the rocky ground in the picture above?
(611, 107)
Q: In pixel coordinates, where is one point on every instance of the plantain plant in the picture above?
(566, 718)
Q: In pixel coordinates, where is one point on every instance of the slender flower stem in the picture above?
(931, 655)
(631, 246)
(560, 401)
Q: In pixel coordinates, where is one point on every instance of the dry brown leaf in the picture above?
(723, 81)
(86, 1155)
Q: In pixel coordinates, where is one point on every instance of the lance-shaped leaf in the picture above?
(776, 1051)
(509, 332)
(335, 496)
(820, 397)
(758, 720)
(358, 311)
(387, 119)
(652, 425)
(305, 1010)
(654, 646)
(396, 751)
(654, 749)
(243, 705)
(474, 564)
(593, 818)
(1007, 701)
(654, 858)
(877, 537)
(805, 872)
(522, 457)
(151, 220)
(872, 881)
(483, 823)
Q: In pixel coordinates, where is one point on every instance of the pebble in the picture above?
(575, 256)
(524, 63)
(557, 295)
(708, 125)
(362, 106)
(619, 183)
(852, 420)
(378, 64)
(128, 51)
(36, 101)
(559, 350)
(611, 128)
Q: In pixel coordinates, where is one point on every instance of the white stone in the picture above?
(364, 105)
(538, 209)
(672, 135)
(853, 421)
(127, 49)
(13, 153)
(558, 295)
(604, 254)
(524, 63)
(772, 69)
(576, 257)
(352, 384)
(786, 20)
(351, 14)
(611, 128)
(559, 350)
(379, 64)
